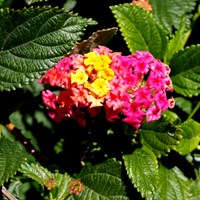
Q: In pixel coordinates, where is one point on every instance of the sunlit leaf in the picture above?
(191, 137)
(142, 169)
(185, 71)
(34, 41)
(140, 30)
(172, 185)
(170, 12)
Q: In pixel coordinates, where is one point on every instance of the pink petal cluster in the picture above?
(138, 89)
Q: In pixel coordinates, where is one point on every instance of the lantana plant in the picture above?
(96, 113)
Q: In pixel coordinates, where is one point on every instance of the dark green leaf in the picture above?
(35, 40)
(140, 30)
(142, 169)
(191, 137)
(161, 136)
(103, 181)
(12, 155)
(170, 12)
(185, 71)
(172, 185)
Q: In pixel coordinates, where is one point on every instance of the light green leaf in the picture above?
(102, 181)
(34, 41)
(184, 104)
(12, 155)
(170, 12)
(191, 137)
(194, 190)
(177, 41)
(34, 1)
(140, 30)
(185, 71)
(36, 172)
(172, 185)
(161, 136)
(142, 169)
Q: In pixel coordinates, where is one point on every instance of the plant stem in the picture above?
(7, 194)
(194, 111)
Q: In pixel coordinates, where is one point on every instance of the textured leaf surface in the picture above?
(140, 30)
(170, 12)
(12, 155)
(32, 40)
(194, 190)
(191, 137)
(172, 185)
(103, 181)
(142, 169)
(36, 172)
(163, 135)
(185, 71)
(177, 41)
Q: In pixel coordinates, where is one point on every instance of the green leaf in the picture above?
(177, 41)
(62, 186)
(36, 172)
(184, 104)
(191, 137)
(172, 185)
(142, 169)
(161, 136)
(194, 190)
(170, 12)
(185, 71)
(34, 41)
(34, 1)
(103, 181)
(12, 155)
(140, 30)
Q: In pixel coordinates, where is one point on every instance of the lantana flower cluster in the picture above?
(130, 88)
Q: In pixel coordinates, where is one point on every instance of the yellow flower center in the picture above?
(79, 77)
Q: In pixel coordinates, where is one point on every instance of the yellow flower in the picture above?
(79, 77)
(106, 73)
(95, 102)
(100, 87)
(98, 62)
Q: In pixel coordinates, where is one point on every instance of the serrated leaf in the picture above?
(35, 40)
(170, 12)
(177, 41)
(191, 137)
(172, 185)
(101, 37)
(36, 172)
(12, 155)
(142, 169)
(161, 136)
(102, 181)
(62, 186)
(140, 30)
(194, 190)
(185, 71)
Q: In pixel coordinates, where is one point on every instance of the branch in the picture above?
(7, 194)
(26, 142)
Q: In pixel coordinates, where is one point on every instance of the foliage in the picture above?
(43, 159)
